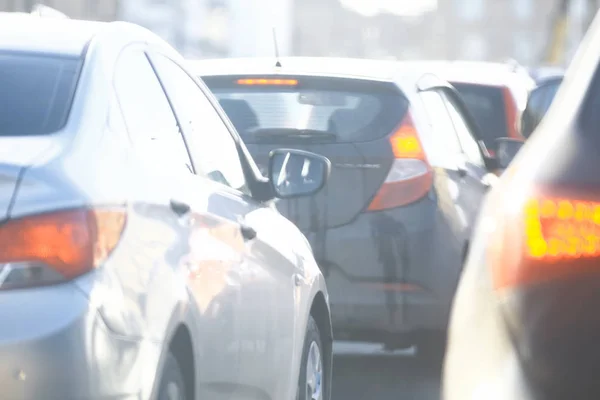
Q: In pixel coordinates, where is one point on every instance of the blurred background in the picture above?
(531, 32)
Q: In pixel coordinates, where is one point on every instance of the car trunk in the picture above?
(356, 174)
(345, 120)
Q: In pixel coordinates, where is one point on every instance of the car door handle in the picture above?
(248, 232)
(180, 208)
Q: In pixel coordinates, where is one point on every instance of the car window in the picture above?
(147, 114)
(211, 145)
(441, 123)
(309, 109)
(37, 91)
(549, 95)
(465, 135)
(486, 104)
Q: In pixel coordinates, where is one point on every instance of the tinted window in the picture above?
(486, 104)
(316, 109)
(534, 111)
(441, 123)
(552, 89)
(35, 93)
(146, 111)
(211, 145)
(465, 135)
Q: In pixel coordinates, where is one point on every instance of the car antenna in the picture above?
(277, 63)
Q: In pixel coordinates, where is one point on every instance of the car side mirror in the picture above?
(507, 149)
(296, 173)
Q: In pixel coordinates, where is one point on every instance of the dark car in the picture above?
(525, 322)
(392, 226)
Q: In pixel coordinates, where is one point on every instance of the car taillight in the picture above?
(541, 237)
(57, 246)
(410, 177)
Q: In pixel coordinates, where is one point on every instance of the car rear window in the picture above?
(35, 92)
(314, 109)
(486, 104)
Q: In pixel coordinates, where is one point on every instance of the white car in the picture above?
(140, 254)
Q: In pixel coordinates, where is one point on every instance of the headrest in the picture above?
(240, 113)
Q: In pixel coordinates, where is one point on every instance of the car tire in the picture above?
(172, 386)
(311, 381)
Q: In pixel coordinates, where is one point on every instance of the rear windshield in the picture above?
(35, 92)
(316, 109)
(486, 104)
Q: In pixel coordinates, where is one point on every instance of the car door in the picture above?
(205, 252)
(447, 159)
(141, 109)
(265, 315)
(475, 179)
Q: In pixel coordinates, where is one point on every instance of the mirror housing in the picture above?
(507, 149)
(297, 173)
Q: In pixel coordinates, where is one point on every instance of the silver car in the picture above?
(141, 256)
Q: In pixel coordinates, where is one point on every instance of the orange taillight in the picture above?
(265, 81)
(410, 176)
(542, 238)
(70, 242)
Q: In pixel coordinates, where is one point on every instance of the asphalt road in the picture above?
(365, 372)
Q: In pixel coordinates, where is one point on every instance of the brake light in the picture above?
(542, 238)
(263, 81)
(510, 107)
(410, 177)
(51, 248)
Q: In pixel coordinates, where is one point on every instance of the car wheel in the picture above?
(312, 379)
(172, 386)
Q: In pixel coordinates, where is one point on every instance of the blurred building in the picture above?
(454, 29)
(215, 28)
(100, 10)
(490, 30)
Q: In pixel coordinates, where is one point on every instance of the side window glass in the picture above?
(467, 140)
(551, 92)
(441, 123)
(211, 145)
(147, 114)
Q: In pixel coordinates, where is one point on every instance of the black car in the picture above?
(391, 228)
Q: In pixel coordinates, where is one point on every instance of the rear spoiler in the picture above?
(43, 11)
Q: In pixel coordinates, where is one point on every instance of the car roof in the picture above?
(68, 37)
(384, 70)
(477, 72)
(495, 74)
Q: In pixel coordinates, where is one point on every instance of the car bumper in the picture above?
(391, 272)
(53, 345)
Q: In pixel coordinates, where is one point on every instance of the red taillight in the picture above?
(52, 247)
(541, 237)
(410, 177)
(510, 107)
